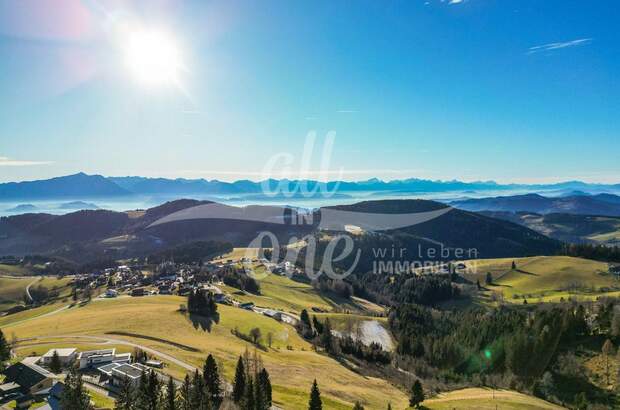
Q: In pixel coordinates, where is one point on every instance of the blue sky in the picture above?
(513, 91)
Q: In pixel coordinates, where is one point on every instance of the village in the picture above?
(39, 379)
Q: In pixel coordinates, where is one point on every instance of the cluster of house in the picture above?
(30, 380)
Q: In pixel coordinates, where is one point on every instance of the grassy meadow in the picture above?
(487, 399)
(291, 361)
(544, 278)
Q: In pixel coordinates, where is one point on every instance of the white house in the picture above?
(66, 356)
(95, 358)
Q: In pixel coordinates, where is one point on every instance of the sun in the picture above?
(153, 57)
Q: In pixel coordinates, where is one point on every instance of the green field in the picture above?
(291, 361)
(281, 293)
(486, 399)
(13, 289)
(545, 278)
(15, 270)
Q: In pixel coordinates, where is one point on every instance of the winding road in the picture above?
(154, 352)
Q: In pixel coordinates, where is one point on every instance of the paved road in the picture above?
(28, 288)
(154, 352)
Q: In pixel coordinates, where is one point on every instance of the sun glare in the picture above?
(153, 57)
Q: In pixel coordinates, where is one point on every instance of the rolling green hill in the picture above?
(547, 278)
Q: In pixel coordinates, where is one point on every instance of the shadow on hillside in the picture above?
(526, 272)
(204, 323)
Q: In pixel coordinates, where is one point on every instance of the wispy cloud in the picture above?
(455, 1)
(8, 162)
(559, 46)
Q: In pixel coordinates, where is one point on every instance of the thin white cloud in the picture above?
(559, 45)
(8, 162)
(455, 1)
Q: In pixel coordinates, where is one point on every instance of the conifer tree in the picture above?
(5, 350)
(358, 406)
(249, 397)
(417, 394)
(240, 382)
(315, 398)
(212, 380)
(198, 391)
(55, 365)
(125, 397)
(265, 387)
(142, 399)
(185, 395)
(171, 396)
(74, 395)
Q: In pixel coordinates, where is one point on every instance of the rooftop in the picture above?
(91, 353)
(128, 370)
(61, 352)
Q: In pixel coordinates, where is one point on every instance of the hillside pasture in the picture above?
(487, 399)
(291, 361)
(544, 278)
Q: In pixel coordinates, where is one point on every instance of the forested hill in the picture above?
(88, 234)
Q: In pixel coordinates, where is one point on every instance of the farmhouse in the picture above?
(66, 356)
(96, 358)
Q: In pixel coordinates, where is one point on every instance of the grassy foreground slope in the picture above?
(291, 361)
(486, 399)
(546, 277)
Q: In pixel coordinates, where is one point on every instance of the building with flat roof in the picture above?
(116, 373)
(66, 356)
(96, 358)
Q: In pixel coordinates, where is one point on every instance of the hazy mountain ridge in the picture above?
(600, 204)
(83, 186)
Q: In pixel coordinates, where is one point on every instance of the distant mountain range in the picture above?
(90, 186)
(583, 204)
(86, 236)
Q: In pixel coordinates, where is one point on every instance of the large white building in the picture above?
(95, 358)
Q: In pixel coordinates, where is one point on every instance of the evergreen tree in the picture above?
(305, 318)
(74, 396)
(326, 338)
(185, 395)
(417, 394)
(125, 399)
(198, 391)
(154, 389)
(389, 406)
(171, 396)
(142, 399)
(55, 365)
(608, 351)
(315, 398)
(259, 398)
(5, 349)
(265, 387)
(212, 380)
(358, 406)
(489, 278)
(318, 326)
(240, 382)
(249, 401)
